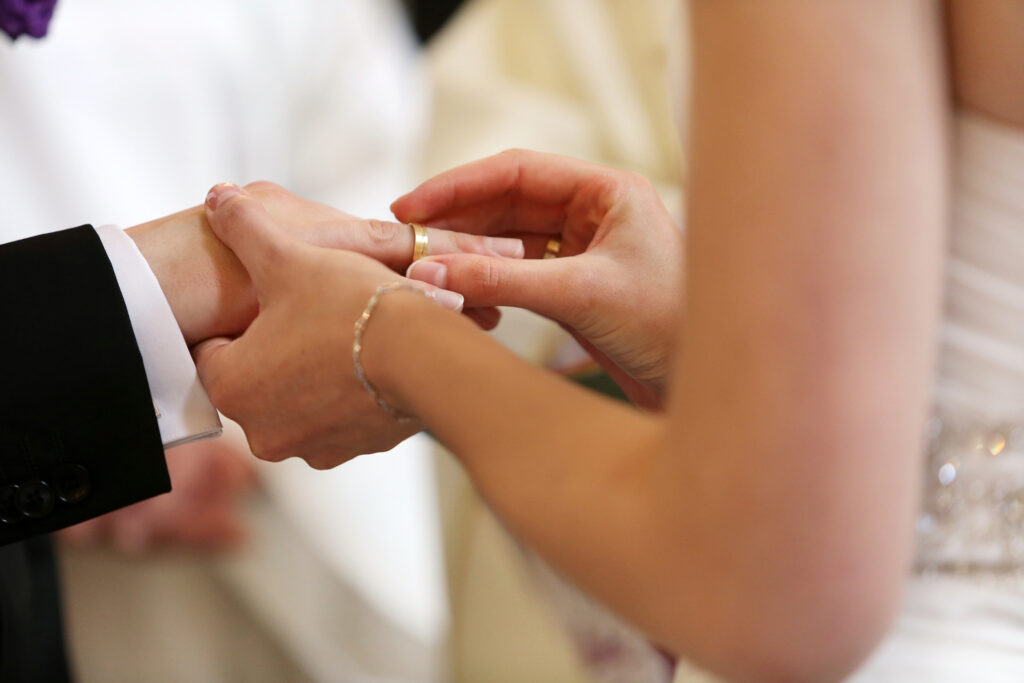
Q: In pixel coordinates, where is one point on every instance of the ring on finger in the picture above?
(554, 246)
(421, 241)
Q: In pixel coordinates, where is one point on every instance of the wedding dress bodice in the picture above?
(973, 507)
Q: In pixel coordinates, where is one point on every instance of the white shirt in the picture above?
(183, 411)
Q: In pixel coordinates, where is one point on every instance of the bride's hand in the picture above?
(289, 378)
(614, 285)
(208, 289)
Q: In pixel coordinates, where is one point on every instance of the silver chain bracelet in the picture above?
(357, 346)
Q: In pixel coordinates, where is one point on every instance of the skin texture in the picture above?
(761, 525)
(294, 284)
(612, 227)
(210, 292)
(987, 56)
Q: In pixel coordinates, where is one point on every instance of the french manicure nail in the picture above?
(431, 272)
(219, 194)
(451, 300)
(505, 246)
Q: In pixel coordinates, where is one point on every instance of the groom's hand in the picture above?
(210, 292)
(289, 379)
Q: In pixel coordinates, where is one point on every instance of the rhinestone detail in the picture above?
(972, 516)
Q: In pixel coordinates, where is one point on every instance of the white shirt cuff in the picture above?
(184, 412)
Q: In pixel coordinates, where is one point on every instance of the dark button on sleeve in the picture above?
(35, 499)
(9, 512)
(71, 482)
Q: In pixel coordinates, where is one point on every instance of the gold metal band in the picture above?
(554, 246)
(421, 243)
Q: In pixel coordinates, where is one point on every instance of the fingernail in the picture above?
(219, 194)
(505, 246)
(431, 272)
(451, 300)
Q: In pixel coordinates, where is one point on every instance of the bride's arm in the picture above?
(767, 522)
(762, 525)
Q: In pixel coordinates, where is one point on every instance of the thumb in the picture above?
(211, 361)
(241, 223)
(547, 287)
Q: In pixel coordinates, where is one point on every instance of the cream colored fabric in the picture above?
(589, 79)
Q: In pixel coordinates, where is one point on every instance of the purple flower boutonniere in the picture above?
(26, 17)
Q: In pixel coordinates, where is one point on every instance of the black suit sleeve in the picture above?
(78, 430)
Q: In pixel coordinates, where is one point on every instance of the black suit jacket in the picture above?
(78, 430)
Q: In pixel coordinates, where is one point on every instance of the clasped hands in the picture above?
(267, 287)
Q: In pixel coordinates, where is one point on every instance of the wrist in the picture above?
(394, 346)
(206, 287)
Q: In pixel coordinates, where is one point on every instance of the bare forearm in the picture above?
(814, 250)
(569, 471)
(781, 502)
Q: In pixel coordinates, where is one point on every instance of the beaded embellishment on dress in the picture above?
(972, 516)
(973, 511)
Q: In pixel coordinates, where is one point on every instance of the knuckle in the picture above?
(238, 210)
(488, 279)
(517, 156)
(263, 187)
(466, 242)
(381, 232)
(273, 257)
(265, 449)
(322, 461)
(256, 446)
(640, 184)
(638, 179)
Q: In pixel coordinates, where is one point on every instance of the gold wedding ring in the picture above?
(554, 246)
(421, 241)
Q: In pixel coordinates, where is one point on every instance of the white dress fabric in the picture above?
(963, 617)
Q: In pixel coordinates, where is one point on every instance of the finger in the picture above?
(486, 318)
(535, 176)
(283, 205)
(210, 358)
(441, 242)
(393, 243)
(241, 223)
(506, 216)
(535, 246)
(545, 287)
(453, 301)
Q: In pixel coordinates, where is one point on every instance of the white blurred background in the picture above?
(388, 568)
